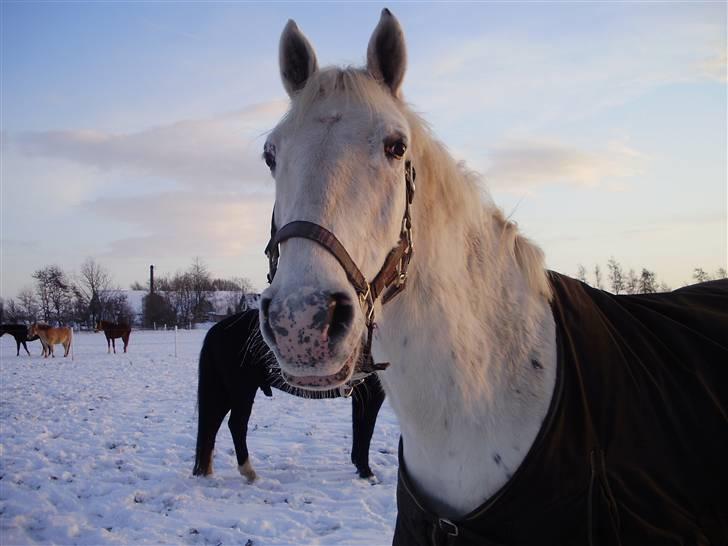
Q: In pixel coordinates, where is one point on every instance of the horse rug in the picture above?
(634, 448)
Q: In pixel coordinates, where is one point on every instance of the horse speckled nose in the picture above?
(308, 325)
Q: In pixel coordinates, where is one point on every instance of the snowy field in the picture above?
(99, 450)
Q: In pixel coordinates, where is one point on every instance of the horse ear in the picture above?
(296, 57)
(387, 53)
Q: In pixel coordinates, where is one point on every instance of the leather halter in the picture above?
(390, 280)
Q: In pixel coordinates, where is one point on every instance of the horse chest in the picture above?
(459, 467)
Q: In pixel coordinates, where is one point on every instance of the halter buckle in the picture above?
(367, 303)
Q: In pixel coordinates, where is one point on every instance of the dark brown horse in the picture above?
(20, 333)
(112, 332)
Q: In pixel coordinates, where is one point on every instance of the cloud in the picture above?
(185, 223)
(524, 165)
(716, 67)
(535, 80)
(217, 154)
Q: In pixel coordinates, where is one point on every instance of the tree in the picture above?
(200, 285)
(700, 275)
(11, 312)
(598, 278)
(721, 273)
(54, 293)
(647, 282)
(581, 274)
(157, 311)
(93, 287)
(632, 282)
(616, 276)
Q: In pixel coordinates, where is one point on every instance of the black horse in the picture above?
(234, 364)
(20, 333)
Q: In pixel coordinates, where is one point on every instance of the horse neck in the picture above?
(462, 335)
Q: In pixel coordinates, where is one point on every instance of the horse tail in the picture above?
(211, 407)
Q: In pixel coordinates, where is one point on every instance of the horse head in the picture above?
(339, 160)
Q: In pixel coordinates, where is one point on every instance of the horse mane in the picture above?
(433, 162)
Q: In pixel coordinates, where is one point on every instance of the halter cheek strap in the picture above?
(390, 280)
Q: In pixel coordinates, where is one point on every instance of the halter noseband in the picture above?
(390, 280)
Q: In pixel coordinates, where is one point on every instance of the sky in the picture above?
(132, 131)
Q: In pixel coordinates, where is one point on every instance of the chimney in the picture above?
(151, 279)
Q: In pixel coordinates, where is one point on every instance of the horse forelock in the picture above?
(353, 84)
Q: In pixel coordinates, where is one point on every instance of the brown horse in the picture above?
(50, 336)
(112, 332)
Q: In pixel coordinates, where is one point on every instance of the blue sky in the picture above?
(132, 131)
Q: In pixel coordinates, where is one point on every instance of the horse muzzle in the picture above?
(313, 335)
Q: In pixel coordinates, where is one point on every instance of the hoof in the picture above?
(247, 472)
(365, 472)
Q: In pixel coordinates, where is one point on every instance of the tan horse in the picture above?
(51, 336)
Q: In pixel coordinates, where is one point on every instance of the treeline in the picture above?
(186, 297)
(82, 298)
(58, 297)
(618, 281)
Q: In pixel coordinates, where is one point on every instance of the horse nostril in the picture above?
(265, 323)
(264, 307)
(341, 315)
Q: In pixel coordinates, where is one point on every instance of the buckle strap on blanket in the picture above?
(441, 531)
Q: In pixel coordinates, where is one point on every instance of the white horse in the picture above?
(472, 337)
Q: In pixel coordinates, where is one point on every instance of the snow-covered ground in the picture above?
(99, 450)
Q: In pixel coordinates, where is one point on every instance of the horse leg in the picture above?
(212, 406)
(113, 344)
(365, 404)
(17, 342)
(108, 345)
(238, 425)
(125, 339)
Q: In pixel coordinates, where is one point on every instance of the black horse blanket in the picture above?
(634, 448)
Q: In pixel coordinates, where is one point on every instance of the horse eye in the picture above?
(269, 156)
(395, 149)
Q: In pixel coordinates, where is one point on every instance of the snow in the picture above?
(99, 450)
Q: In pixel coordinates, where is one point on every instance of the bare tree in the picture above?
(721, 273)
(581, 274)
(632, 282)
(28, 304)
(647, 282)
(93, 289)
(700, 275)
(200, 285)
(598, 277)
(616, 276)
(54, 293)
